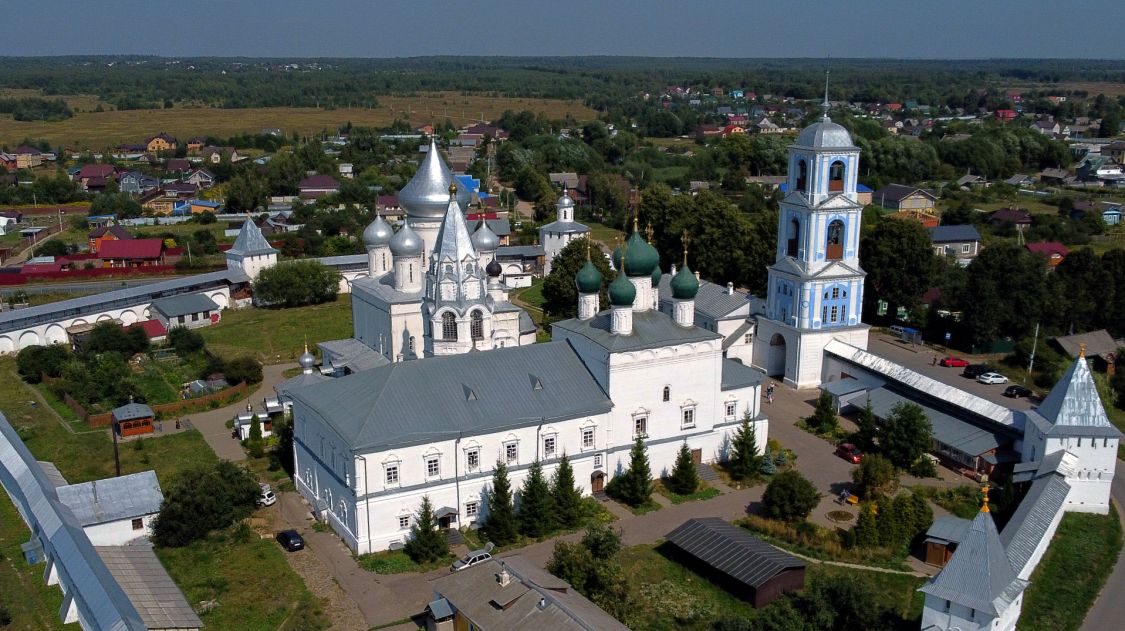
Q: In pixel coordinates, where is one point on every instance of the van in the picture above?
(897, 329)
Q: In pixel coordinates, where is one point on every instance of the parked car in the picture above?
(291, 540)
(1017, 392)
(267, 498)
(992, 377)
(972, 371)
(849, 452)
(472, 558)
(954, 362)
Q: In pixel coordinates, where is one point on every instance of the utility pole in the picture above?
(116, 456)
(1034, 345)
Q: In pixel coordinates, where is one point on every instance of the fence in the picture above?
(105, 418)
(99, 272)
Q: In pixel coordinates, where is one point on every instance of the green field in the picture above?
(605, 235)
(277, 336)
(23, 592)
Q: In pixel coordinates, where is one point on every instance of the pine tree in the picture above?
(427, 543)
(744, 459)
(781, 459)
(254, 444)
(684, 479)
(823, 419)
(866, 429)
(767, 466)
(634, 487)
(866, 529)
(537, 507)
(501, 526)
(567, 495)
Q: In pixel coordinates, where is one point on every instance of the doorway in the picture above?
(775, 362)
(697, 456)
(597, 482)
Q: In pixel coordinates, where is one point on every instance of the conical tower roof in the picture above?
(427, 193)
(453, 241)
(1074, 401)
(251, 241)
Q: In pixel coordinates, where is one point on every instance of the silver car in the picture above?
(992, 377)
(472, 558)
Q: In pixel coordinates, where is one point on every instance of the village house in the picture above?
(160, 142)
(316, 186)
(962, 243)
(201, 178)
(189, 310)
(1054, 251)
(215, 155)
(115, 511)
(1018, 216)
(132, 253)
(136, 183)
(107, 233)
(905, 198)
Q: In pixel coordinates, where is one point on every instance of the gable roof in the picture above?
(1033, 519)
(953, 234)
(113, 499)
(979, 575)
(737, 375)
(144, 580)
(116, 230)
(1074, 404)
(184, 304)
(1099, 343)
(732, 551)
(712, 299)
(417, 402)
(1014, 215)
(130, 411)
(131, 249)
(250, 241)
(319, 182)
(898, 192)
(1048, 248)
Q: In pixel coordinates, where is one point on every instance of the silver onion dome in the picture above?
(307, 360)
(406, 242)
(484, 239)
(377, 233)
(426, 195)
(565, 201)
(824, 134)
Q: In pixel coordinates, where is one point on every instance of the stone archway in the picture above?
(775, 361)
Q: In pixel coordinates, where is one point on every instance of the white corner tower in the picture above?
(556, 235)
(815, 290)
(251, 253)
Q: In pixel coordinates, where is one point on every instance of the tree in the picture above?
(591, 568)
(254, 442)
(874, 477)
(634, 487)
(602, 540)
(53, 247)
(427, 544)
(866, 529)
(823, 419)
(246, 192)
(789, 496)
(203, 498)
(905, 435)
(990, 309)
(867, 429)
(34, 361)
(684, 479)
(899, 260)
(501, 525)
(109, 336)
(560, 295)
(567, 496)
(744, 461)
(185, 341)
(537, 510)
(243, 369)
(296, 283)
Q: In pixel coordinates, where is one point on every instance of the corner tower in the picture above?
(815, 290)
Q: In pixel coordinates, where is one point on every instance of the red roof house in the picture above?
(132, 253)
(152, 328)
(1053, 250)
(318, 186)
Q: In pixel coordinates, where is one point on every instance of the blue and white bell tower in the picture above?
(815, 291)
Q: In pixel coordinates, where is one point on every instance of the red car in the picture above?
(954, 362)
(849, 452)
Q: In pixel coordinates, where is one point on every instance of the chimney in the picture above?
(730, 289)
(503, 577)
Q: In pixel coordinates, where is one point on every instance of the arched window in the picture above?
(410, 344)
(794, 236)
(802, 176)
(476, 327)
(834, 248)
(410, 271)
(448, 326)
(667, 393)
(836, 177)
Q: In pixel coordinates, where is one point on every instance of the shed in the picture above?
(943, 538)
(741, 563)
(132, 419)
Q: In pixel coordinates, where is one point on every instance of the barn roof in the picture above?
(732, 551)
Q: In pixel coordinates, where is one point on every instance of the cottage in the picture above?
(1021, 218)
(903, 198)
(201, 178)
(132, 253)
(115, 511)
(135, 183)
(132, 419)
(1054, 251)
(316, 186)
(189, 310)
(160, 142)
(215, 155)
(962, 243)
(107, 233)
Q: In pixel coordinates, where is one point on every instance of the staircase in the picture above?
(600, 496)
(454, 537)
(706, 473)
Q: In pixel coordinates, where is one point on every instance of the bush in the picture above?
(906, 435)
(789, 496)
(54, 247)
(874, 477)
(201, 499)
(185, 340)
(296, 284)
(35, 361)
(242, 369)
(823, 419)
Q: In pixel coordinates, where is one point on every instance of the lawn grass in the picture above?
(650, 506)
(533, 295)
(963, 501)
(604, 234)
(248, 579)
(23, 592)
(818, 542)
(397, 562)
(276, 336)
(1067, 581)
(704, 492)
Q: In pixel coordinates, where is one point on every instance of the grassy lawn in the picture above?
(396, 562)
(248, 580)
(963, 501)
(705, 492)
(533, 295)
(817, 542)
(23, 592)
(1085, 547)
(1030, 205)
(648, 507)
(278, 335)
(604, 234)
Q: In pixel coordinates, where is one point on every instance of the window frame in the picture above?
(640, 426)
(388, 469)
(472, 508)
(472, 458)
(686, 412)
(448, 327)
(731, 409)
(433, 462)
(553, 440)
(591, 444)
(511, 452)
(138, 523)
(403, 522)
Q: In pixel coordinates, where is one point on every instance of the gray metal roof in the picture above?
(1098, 342)
(712, 300)
(383, 290)
(954, 234)
(499, 227)
(564, 227)
(527, 325)
(942, 392)
(130, 411)
(113, 499)
(651, 329)
(737, 334)
(949, 528)
(1032, 520)
(302, 380)
(825, 135)
(454, 243)
(352, 354)
(144, 580)
(99, 599)
(184, 304)
(53, 474)
(1073, 405)
(979, 575)
(950, 430)
(732, 551)
(250, 241)
(737, 375)
(519, 251)
(850, 385)
(440, 609)
(416, 402)
(128, 297)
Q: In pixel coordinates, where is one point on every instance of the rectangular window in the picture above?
(472, 458)
(392, 474)
(748, 338)
(732, 409)
(688, 419)
(965, 248)
(511, 452)
(549, 447)
(139, 524)
(404, 522)
(587, 438)
(824, 314)
(640, 426)
(433, 466)
(471, 509)
(597, 460)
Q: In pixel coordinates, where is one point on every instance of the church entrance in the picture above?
(597, 482)
(697, 456)
(775, 362)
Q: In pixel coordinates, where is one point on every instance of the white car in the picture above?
(992, 377)
(267, 498)
(473, 558)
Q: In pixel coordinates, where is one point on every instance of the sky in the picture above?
(946, 29)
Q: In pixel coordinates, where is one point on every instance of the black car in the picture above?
(291, 540)
(1017, 392)
(972, 371)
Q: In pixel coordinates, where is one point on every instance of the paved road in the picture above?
(212, 423)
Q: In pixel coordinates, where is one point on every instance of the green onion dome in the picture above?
(588, 279)
(621, 292)
(656, 274)
(640, 257)
(684, 284)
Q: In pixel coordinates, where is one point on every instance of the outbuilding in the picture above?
(132, 419)
(189, 310)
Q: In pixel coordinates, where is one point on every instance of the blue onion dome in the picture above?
(684, 284)
(377, 233)
(589, 279)
(406, 242)
(622, 293)
(640, 257)
(484, 239)
(493, 269)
